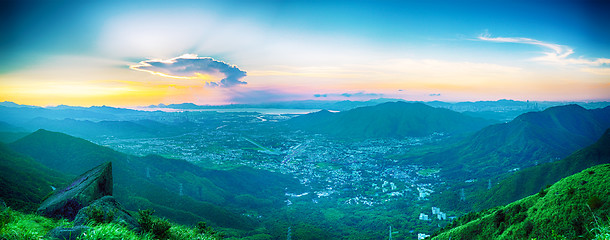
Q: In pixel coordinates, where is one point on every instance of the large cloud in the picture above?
(190, 66)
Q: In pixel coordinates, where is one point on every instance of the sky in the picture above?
(139, 53)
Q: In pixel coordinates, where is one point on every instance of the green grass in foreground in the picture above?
(15, 225)
(576, 207)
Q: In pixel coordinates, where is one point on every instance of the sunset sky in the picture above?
(136, 53)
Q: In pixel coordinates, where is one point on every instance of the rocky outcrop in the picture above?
(86, 188)
(106, 209)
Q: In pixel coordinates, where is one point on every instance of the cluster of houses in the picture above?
(435, 211)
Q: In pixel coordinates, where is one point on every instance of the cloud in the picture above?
(348, 95)
(554, 53)
(255, 96)
(190, 66)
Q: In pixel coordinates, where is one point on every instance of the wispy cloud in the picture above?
(555, 53)
(349, 95)
(190, 66)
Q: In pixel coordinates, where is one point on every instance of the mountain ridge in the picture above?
(530, 180)
(531, 138)
(392, 119)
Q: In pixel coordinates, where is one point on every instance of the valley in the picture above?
(265, 176)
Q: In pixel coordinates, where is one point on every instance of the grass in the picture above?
(602, 230)
(15, 225)
(20, 226)
(569, 209)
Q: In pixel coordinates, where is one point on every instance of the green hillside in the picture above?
(24, 182)
(530, 180)
(535, 137)
(157, 182)
(569, 209)
(392, 119)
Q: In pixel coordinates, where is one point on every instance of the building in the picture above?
(422, 236)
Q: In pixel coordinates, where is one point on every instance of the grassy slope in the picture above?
(530, 180)
(201, 199)
(24, 182)
(569, 208)
(15, 225)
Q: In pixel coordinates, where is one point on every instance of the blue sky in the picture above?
(85, 52)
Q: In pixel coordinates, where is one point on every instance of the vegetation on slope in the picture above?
(392, 119)
(530, 180)
(535, 137)
(24, 182)
(15, 225)
(572, 208)
(177, 189)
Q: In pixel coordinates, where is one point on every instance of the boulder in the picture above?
(60, 233)
(86, 188)
(106, 209)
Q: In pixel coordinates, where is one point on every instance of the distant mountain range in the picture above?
(392, 119)
(120, 129)
(530, 139)
(176, 189)
(530, 180)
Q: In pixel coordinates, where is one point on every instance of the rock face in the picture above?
(86, 188)
(66, 233)
(106, 209)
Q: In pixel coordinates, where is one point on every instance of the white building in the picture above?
(436, 210)
(424, 217)
(422, 236)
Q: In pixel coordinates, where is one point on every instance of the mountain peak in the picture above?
(392, 119)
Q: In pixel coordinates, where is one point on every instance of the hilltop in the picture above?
(392, 119)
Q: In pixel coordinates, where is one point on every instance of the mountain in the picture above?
(530, 139)
(24, 182)
(176, 189)
(530, 180)
(19, 115)
(301, 104)
(9, 132)
(392, 119)
(120, 129)
(566, 210)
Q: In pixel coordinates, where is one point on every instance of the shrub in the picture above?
(98, 215)
(157, 226)
(542, 192)
(5, 217)
(161, 228)
(594, 202)
(499, 217)
(528, 227)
